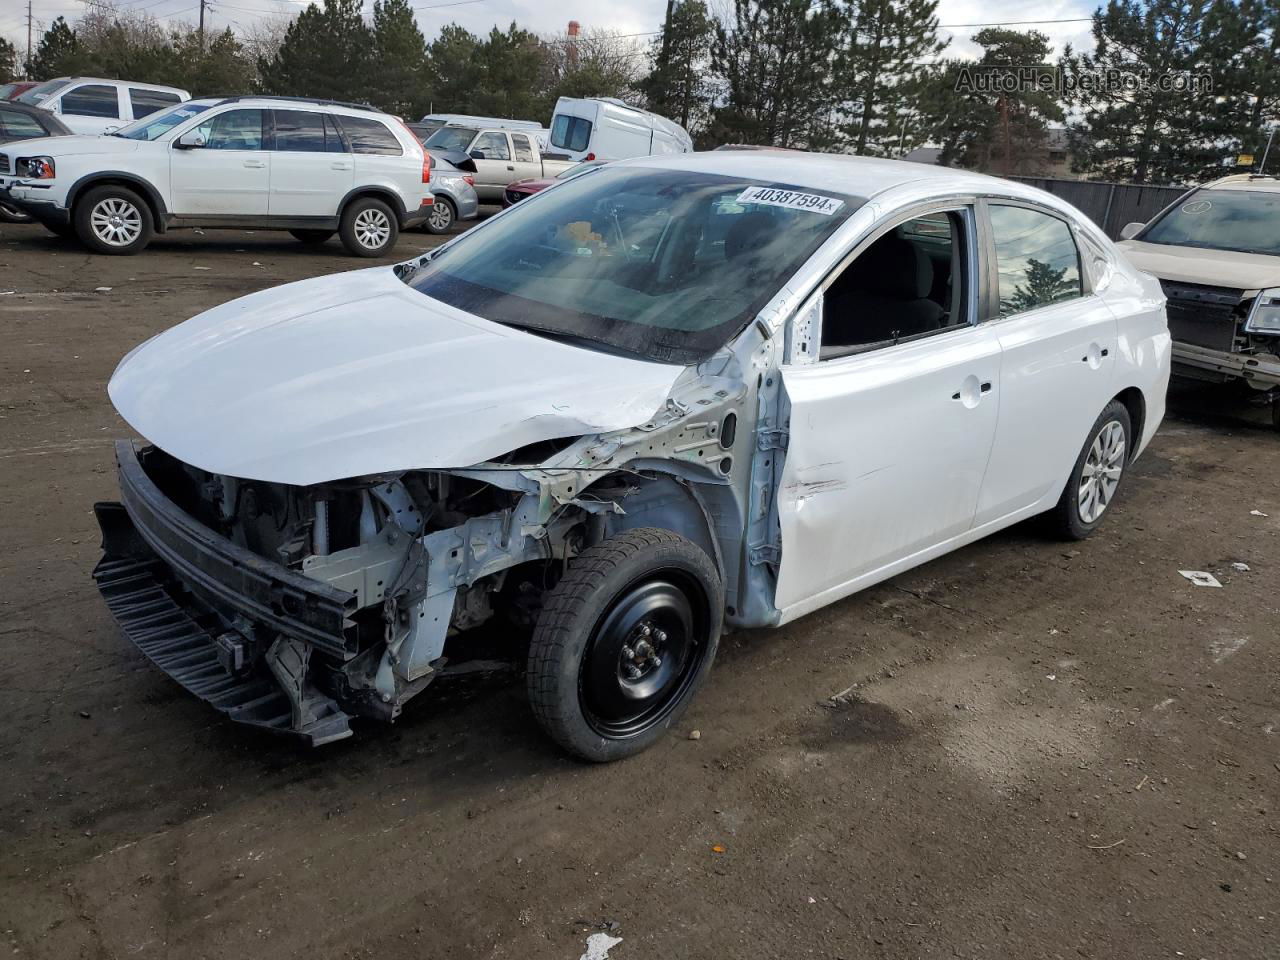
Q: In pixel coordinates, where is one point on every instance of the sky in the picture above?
(546, 16)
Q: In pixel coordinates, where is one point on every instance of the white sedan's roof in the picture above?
(855, 176)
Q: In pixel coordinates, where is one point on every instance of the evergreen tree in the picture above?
(1262, 79)
(1043, 285)
(8, 61)
(775, 59)
(1152, 131)
(327, 52)
(515, 76)
(452, 70)
(884, 71)
(679, 87)
(400, 53)
(58, 54)
(1003, 132)
(222, 68)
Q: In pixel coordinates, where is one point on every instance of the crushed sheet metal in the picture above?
(357, 374)
(1201, 578)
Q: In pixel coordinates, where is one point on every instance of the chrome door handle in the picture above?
(339, 165)
(255, 164)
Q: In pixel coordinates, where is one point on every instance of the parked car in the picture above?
(312, 167)
(520, 189)
(1216, 251)
(608, 129)
(455, 194)
(10, 91)
(466, 120)
(20, 121)
(91, 105)
(671, 394)
(500, 155)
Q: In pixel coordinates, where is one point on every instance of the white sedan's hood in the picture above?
(357, 374)
(1218, 268)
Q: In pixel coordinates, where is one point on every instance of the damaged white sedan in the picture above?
(668, 396)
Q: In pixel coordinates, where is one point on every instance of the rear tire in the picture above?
(1095, 479)
(623, 642)
(113, 220)
(442, 217)
(311, 237)
(368, 228)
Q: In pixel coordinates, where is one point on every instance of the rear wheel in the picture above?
(113, 219)
(368, 228)
(311, 236)
(442, 216)
(623, 642)
(1095, 478)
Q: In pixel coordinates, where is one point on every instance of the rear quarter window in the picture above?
(369, 136)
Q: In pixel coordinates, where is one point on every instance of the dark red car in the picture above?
(519, 189)
(10, 91)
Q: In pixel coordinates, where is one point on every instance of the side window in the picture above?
(92, 100)
(913, 281)
(570, 133)
(233, 130)
(523, 149)
(18, 126)
(494, 146)
(371, 137)
(333, 142)
(1036, 257)
(299, 131)
(146, 102)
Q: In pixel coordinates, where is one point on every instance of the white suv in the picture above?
(312, 167)
(94, 105)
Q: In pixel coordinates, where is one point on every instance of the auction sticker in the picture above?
(791, 199)
(1197, 206)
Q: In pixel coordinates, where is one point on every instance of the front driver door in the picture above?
(494, 167)
(230, 175)
(888, 443)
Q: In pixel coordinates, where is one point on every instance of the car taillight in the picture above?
(470, 181)
(426, 167)
(591, 156)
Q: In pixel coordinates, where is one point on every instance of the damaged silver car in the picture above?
(667, 397)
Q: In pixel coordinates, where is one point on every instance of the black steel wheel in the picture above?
(623, 641)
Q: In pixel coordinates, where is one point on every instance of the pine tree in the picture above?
(327, 52)
(1262, 80)
(516, 76)
(400, 53)
(883, 70)
(678, 87)
(1160, 133)
(775, 59)
(8, 61)
(58, 54)
(452, 70)
(1004, 132)
(1043, 285)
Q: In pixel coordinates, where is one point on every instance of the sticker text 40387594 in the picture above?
(792, 199)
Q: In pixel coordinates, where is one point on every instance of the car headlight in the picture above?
(35, 168)
(1265, 315)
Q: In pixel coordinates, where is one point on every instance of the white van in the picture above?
(92, 105)
(605, 128)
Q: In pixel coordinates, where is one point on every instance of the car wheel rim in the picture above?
(1100, 475)
(441, 216)
(116, 222)
(641, 659)
(373, 229)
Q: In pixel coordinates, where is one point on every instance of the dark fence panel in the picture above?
(1109, 205)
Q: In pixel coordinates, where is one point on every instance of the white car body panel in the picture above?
(619, 131)
(93, 125)
(357, 374)
(220, 181)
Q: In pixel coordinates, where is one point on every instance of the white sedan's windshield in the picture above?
(1247, 221)
(450, 138)
(665, 264)
(158, 124)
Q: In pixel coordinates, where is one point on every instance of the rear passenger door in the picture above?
(311, 165)
(524, 157)
(91, 107)
(494, 167)
(1058, 344)
(379, 158)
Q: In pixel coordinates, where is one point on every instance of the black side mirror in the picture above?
(477, 154)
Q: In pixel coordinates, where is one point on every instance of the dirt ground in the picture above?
(1052, 750)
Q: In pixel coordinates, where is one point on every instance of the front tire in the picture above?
(113, 220)
(442, 216)
(369, 228)
(623, 642)
(1095, 478)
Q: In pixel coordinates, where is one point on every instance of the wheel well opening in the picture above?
(157, 216)
(1132, 399)
(386, 196)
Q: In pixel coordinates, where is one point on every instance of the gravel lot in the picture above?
(1054, 751)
